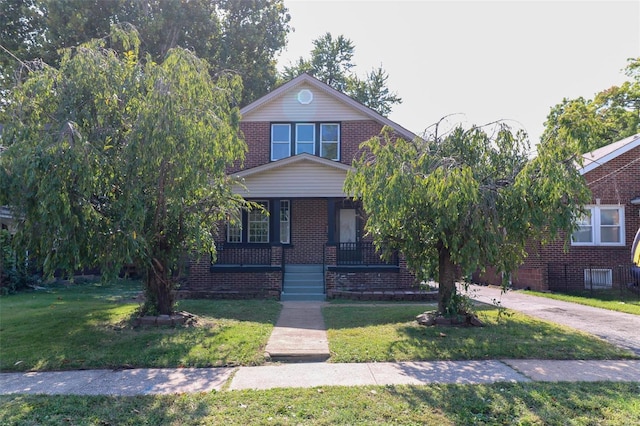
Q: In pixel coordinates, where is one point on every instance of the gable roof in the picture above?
(600, 156)
(339, 96)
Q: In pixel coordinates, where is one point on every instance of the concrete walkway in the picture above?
(300, 375)
(617, 328)
(300, 334)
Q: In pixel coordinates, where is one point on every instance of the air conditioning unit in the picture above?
(598, 278)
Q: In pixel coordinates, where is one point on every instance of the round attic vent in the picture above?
(305, 96)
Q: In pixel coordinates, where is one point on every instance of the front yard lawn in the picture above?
(89, 326)
(389, 333)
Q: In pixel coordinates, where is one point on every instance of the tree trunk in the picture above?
(446, 280)
(159, 289)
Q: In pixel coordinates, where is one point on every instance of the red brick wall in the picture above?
(309, 224)
(258, 138)
(613, 183)
(201, 282)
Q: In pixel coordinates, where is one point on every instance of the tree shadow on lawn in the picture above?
(69, 335)
(523, 403)
(517, 337)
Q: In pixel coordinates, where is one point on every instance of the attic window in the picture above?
(305, 96)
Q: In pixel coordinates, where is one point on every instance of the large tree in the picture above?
(111, 160)
(465, 199)
(331, 63)
(612, 114)
(243, 36)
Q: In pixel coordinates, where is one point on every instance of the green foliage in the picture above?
(611, 115)
(243, 36)
(330, 63)
(111, 160)
(14, 271)
(457, 202)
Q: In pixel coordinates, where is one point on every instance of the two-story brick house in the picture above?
(302, 138)
(601, 252)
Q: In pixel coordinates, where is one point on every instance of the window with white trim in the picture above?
(285, 222)
(258, 224)
(234, 232)
(330, 141)
(280, 141)
(305, 138)
(321, 139)
(600, 226)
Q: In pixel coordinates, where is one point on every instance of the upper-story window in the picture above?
(305, 138)
(322, 139)
(280, 141)
(600, 225)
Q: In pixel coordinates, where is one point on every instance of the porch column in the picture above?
(275, 220)
(331, 221)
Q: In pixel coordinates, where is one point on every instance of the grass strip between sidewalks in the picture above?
(500, 403)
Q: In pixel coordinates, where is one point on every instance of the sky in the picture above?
(480, 61)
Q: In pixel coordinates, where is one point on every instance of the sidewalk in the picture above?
(300, 375)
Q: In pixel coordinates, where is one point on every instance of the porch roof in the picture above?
(300, 176)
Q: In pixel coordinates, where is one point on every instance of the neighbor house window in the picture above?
(280, 141)
(285, 222)
(330, 141)
(305, 138)
(600, 225)
(258, 225)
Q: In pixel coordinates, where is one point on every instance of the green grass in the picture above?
(497, 404)
(89, 326)
(614, 300)
(390, 333)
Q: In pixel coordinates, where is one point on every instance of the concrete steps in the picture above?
(303, 283)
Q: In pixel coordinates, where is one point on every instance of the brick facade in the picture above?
(554, 267)
(310, 218)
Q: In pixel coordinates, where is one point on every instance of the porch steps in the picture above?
(303, 283)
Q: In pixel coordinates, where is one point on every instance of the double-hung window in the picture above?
(258, 225)
(285, 221)
(322, 139)
(600, 226)
(280, 141)
(305, 138)
(330, 141)
(234, 232)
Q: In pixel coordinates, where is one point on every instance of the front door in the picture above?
(348, 252)
(348, 227)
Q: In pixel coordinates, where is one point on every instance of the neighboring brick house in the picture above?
(599, 255)
(302, 139)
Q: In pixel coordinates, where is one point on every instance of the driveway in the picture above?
(615, 327)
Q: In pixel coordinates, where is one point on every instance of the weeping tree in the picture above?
(111, 159)
(458, 201)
